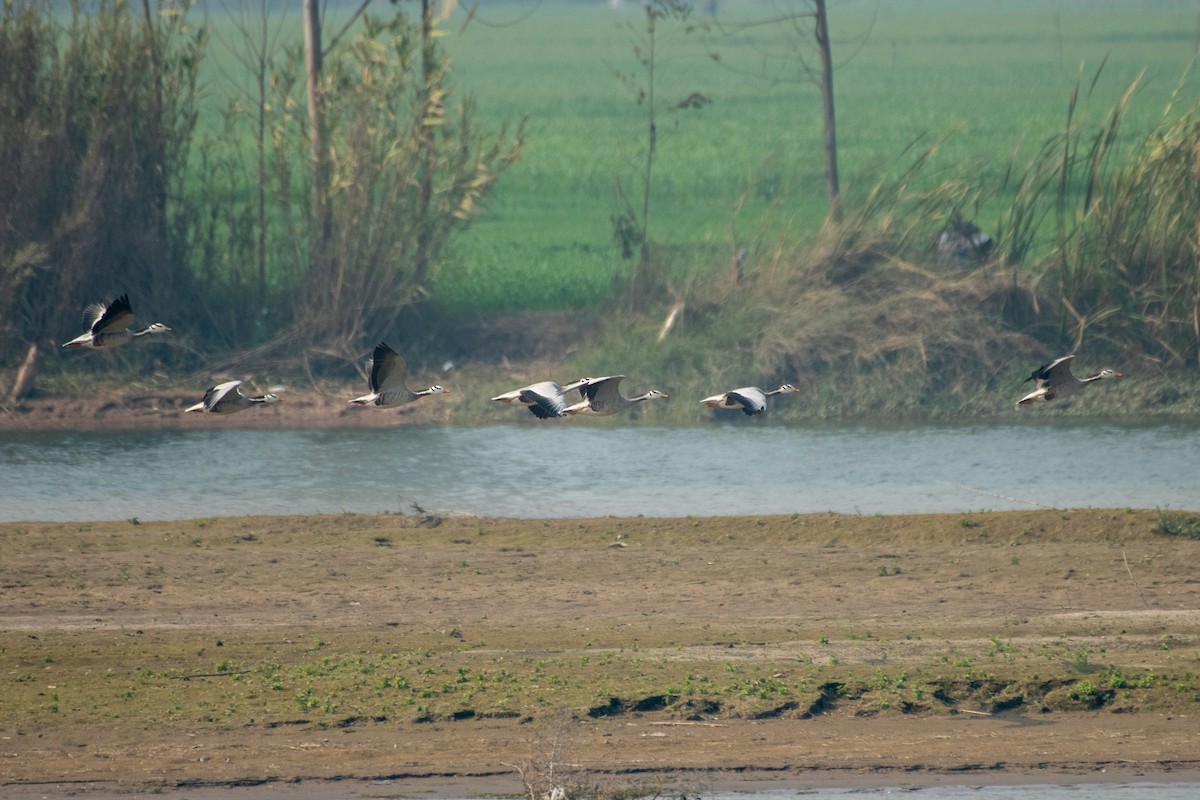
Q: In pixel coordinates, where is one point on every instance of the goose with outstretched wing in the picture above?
(108, 326)
(387, 381)
(602, 396)
(227, 398)
(1056, 380)
(750, 399)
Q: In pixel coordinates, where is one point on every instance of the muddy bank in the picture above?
(158, 409)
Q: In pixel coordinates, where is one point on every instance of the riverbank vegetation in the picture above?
(476, 215)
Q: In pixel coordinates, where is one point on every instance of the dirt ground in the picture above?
(369, 656)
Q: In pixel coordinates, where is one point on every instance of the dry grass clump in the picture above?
(872, 321)
(894, 321)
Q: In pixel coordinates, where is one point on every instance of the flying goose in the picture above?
(108, 325)
(545, 399)
(749, 399)
(387, 381)
(602, 396)
(1055, 380)
(226, 398)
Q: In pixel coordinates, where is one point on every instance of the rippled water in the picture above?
(558, 470)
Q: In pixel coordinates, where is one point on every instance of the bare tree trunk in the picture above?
(422, 257)
(260, 134)
(832, 187)
(313, 59)
(638, 282)
(323, 300)
(159, 172)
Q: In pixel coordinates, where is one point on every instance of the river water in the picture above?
(557, 470)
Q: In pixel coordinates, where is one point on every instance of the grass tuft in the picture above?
(1178, 524)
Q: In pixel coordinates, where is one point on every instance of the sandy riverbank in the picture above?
(413, 655)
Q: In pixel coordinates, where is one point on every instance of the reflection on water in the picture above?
(577, 470)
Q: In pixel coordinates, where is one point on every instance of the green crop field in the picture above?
(986, 83)
(988, 80)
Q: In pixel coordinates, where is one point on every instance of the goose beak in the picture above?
(1119, 375)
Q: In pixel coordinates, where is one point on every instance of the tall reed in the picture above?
(1113, 228)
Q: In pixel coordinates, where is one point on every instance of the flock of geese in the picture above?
(109, 325)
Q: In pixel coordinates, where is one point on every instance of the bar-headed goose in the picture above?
(1056, 380)
(387, 381)
(750, 399)
(227, 398)
(108, 325)
(602, 396)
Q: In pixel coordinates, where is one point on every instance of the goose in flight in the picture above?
(602, 396)
(545, 399)
(750, 399)
(226, 398)
(387, 381)
(1056, 380)
(108, 325)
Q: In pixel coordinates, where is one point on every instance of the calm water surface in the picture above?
(558, 470)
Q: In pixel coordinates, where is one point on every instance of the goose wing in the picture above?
(388, 370)
(751, 399)
(217, 398)
(604, 394)
(543, 406)
(114, 317)
(545, 399)
(1055, 371)
(548, 388)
